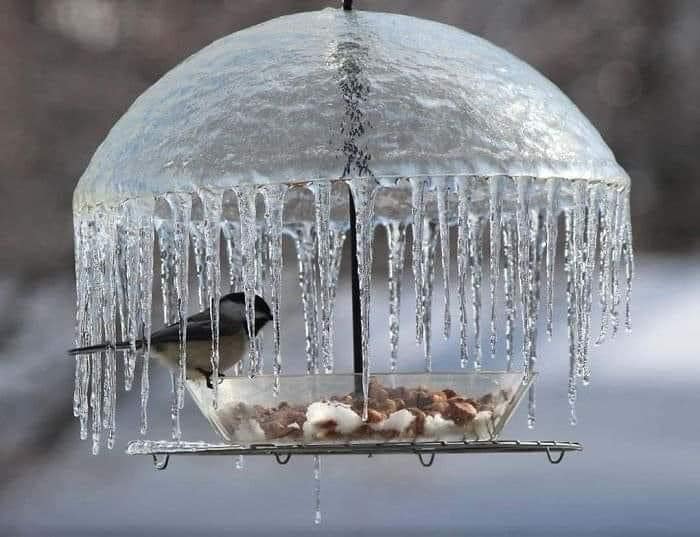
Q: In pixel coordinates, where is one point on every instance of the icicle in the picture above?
(418, 210)
(523, 248)
(536, 254)
(106, 237)
(590, 246)
(428, 273)
(396, 239)
(95, 329)
(274, 206)
(307, 283)
(463, 206)
(322, 204)
(551, 245)
(121, 280)
(165, 235)
(363, 192)
(240, 463)
(146, 241)
(212, 202)
(569, 262)
(232, 239)
(83, 334)
(197, 231)
(246, 208)
(337, 241)
(578, 230)
(475, 237)
(133, 297)
(618, 238)
(495, 214)
(181, 210)
(628, 254)
(443, 214)
(95, 395)
(317, 489)
(176, 430)
(509, 284)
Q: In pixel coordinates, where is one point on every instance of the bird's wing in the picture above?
(198, 329)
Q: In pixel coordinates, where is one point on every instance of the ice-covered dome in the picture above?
(332, 94)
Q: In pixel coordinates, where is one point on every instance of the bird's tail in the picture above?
(121, 345)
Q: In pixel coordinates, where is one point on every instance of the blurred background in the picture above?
(70, 68)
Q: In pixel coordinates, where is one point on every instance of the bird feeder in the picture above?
(326, 125)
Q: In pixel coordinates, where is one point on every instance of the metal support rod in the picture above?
(347, 5)
(356, 309)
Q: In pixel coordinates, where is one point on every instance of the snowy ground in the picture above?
(639, 474)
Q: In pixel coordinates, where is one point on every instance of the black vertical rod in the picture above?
(347, 5)
(356, 308)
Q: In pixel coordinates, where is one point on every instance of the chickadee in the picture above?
(233, 337)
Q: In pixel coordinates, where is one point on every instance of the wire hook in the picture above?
(283, 459)
(160, 465)
(426, 463)
(551, 458)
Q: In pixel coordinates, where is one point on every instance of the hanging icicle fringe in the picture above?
(117, 250)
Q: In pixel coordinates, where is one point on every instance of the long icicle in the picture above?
(418, 210)
(569, 261)
(181, 210)
(551, 245)
(618, 236)
(274, 196)
(509, 285)
(212, 202)
(322, 204)
(592, 220)
(495, 213)
(463, 205)
(304, 243)
(133, 292)
(246, 209)
(628, 254)
(337, 241)
(607, 211)
(363, 192)
(430, 237)
(146, 241)
(442, 193)
(106, 231)
(523, 249)
(476, 236)
(165, 232)
(396, 239)
(579, 229)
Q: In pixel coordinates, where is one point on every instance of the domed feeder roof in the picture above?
(331, 94)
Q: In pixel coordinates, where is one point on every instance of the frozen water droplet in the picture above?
(317, 490)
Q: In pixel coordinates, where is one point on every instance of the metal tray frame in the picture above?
(161, 451)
